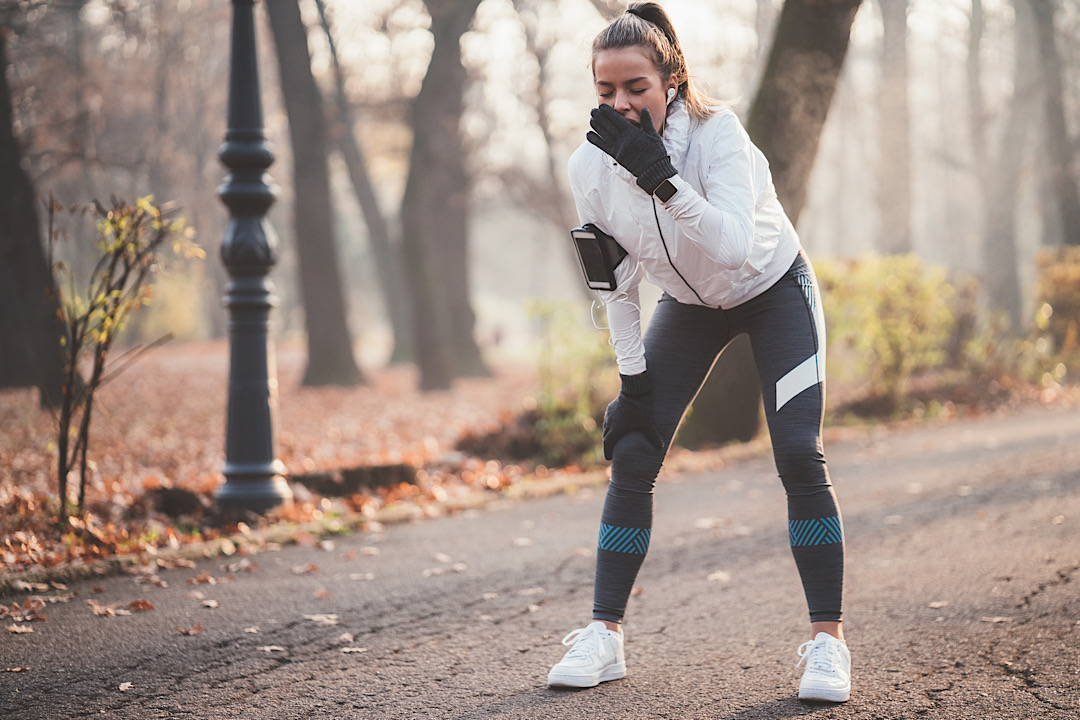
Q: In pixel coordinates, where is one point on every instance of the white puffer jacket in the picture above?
(724, 231)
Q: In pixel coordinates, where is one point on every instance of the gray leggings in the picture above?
(787, 334)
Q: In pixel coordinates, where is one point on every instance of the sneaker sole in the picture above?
(825, 694)
(613, 672)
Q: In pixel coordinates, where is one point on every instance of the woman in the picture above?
(681, 188)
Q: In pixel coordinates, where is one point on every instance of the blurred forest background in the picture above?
(127, 98)
(941, 211)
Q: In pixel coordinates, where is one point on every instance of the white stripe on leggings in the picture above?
(811, 371)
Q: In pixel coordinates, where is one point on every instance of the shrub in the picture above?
(1058, 313)
(578, 377)
(888, 319)
(130, 239)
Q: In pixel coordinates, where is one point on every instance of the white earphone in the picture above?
(670, 95)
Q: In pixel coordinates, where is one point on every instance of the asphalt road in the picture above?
(962, 602)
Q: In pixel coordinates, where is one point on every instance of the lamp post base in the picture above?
(254, 488)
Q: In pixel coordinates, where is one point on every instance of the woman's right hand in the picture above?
(638, 149)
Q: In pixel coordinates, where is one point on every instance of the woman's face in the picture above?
(627, 80)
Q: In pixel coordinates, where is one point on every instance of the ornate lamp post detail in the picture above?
(253, 476)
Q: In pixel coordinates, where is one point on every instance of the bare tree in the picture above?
(30, 329)
(545, 196)
(999, 174)
(386, 250)
(330, 356)
(1060, 155)
(894, 163)
(435, 209)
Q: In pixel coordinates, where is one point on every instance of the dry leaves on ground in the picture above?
(158, 441)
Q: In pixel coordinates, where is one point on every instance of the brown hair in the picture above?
(646, 25)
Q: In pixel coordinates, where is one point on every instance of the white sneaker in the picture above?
(828, 669)
(595, 656)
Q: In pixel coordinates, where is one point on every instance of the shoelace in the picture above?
(820, 656)
(576, 641)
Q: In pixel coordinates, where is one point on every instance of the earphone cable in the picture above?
(668, 253)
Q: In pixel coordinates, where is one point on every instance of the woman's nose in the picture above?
(622, 101)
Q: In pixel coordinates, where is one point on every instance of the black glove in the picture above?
(639, 150)
(630, 411)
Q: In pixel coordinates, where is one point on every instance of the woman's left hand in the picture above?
(638, 149)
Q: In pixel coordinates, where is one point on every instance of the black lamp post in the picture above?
(253, 476)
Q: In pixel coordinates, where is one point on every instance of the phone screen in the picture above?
(592, 259)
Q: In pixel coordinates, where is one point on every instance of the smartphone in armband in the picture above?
(599, 255)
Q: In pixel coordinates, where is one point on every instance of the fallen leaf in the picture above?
(14, 669)
(177, 563)
(522, 542)
(126, 686)
(323, 594)
(324, 620)
(107, 610)
(211, 604)
(305, 569)
(350, 554)
(938, 604)
(353, 650)
(26, 586)
(253, 629)
(203, 578)
(361, 576)
(271, 648)
(19, 629)
(139, 606)
(193, 631)
(996, 619)
(369, 550)
(51, 599)
(244, 565)
(442, 557)
(719, 576)
(344, 638)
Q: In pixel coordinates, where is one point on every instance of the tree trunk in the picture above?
(435, 209)
(330, 353)
(789, 111)
(894, 164)
(30, 326)
(976, 101)
(1000, 261)
(1060, 153)
(387, 253)
(785, 121)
